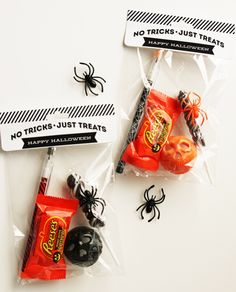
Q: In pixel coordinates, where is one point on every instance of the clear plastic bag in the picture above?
(173, 116)
(95, 175)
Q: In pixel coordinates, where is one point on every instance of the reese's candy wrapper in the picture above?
(161, 112)
(51, 224)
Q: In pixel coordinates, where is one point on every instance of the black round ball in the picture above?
(83, 246)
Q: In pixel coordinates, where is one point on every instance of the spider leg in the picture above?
(92, 69)
(140, 206)
(91, 90)
(81, 190)
(163, 193)
(94, 192)
(161, 200)
(187, 109)
(90, 73)
(79, 80)
(189, 101)
(87, 66)
(193, 120)
(102, 207)
(184, 101)
(142, 212)
(85, 89)
(146, 195)
(148, 191)
(101, 200)
(99, 83)
(197, 102)
(190, 115)
(98, 77)
(197, 98)
(150, 188)
(154, 214)
(203, 114)
(191, 98)
(203, 120)
(77, 74)
(159, 214)
(189, 112)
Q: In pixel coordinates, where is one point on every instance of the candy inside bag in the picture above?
(170, 133)
(161, 113)
(52, 218)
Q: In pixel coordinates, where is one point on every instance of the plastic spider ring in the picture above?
(151, 203)
(88, 200)
(89, 79)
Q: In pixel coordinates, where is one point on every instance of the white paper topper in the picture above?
(59, 126)
(178, 33)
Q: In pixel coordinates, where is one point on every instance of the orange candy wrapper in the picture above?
(51, 224)
(161, 113)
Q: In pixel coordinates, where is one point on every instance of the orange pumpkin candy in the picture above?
(177, 153)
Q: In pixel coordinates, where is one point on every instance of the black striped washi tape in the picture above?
(41, 114)
(165, 19)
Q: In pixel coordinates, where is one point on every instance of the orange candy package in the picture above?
(52, 218)
(161, 113)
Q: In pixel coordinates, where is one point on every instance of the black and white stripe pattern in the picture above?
(164, 19)
(41, 114)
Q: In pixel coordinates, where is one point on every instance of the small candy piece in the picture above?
(83, 246)
(177, 153)
(52, 220)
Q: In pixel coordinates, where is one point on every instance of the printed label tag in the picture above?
(178, 33)
(58, 126)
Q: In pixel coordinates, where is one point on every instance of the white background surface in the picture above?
(193, 246)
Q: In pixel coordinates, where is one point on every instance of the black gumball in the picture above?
(83, 246)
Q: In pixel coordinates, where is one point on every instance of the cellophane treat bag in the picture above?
(173, 91)
(60, 172)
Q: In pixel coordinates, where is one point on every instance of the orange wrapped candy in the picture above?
(51, 223)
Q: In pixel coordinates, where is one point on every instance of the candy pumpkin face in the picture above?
(177, 152)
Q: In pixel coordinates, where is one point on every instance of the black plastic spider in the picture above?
(88, 200)
(89, 80)
(150, 204)
(88, 203)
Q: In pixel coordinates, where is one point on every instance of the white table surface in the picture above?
(193, 246)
